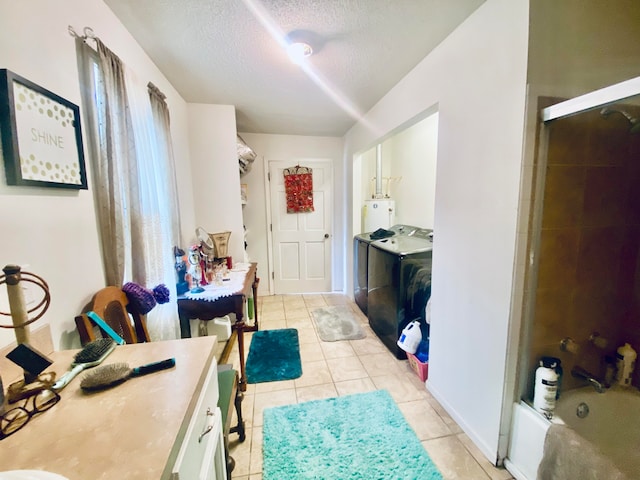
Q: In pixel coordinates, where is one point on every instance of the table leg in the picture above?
(255, 303)
(185, 325)
(254, 287)
(239, 326)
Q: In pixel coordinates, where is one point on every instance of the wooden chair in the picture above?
(111, 304)
(229, 397)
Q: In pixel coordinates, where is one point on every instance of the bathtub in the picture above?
(612, 422)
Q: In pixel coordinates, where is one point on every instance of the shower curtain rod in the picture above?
(595, 99)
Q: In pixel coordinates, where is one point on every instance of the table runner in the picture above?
(234, 284)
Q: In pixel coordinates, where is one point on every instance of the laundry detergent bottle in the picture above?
(410, 337)
(546, 386)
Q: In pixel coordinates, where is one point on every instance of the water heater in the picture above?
(378, 214)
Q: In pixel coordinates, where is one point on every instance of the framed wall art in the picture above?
(41, 136)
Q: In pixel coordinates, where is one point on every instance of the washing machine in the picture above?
(399, 284)
(361, 260)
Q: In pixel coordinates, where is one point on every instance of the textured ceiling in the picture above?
(231, 52)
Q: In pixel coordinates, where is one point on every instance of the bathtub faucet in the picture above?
(580, 372)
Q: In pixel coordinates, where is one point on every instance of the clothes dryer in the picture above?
(399, 284)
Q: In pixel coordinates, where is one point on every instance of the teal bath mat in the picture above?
(356, 437)
(273, 355)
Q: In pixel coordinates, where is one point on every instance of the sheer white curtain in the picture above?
(153, 209)
(134, 183)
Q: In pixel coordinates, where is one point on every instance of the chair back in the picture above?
(111, 304)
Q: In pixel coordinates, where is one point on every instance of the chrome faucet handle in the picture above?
(597, 340)
(581, 373)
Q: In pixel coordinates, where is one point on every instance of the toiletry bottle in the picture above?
(626, 363)
(546, 386)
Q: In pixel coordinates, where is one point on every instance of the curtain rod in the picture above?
(87, 33)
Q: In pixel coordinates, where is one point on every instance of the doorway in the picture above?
(301, 242)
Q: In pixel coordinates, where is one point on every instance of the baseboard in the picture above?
(485, 449)
(513, 470)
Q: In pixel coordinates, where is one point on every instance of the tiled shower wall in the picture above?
(589, 269)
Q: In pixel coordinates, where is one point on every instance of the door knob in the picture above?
(326, 235)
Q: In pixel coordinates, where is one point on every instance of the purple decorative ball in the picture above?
(161, 292)
(142, 300)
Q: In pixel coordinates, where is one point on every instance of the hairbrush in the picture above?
(91, 355)
(114, 374)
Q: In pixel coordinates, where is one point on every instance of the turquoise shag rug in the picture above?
(273, 355)
(362, 436)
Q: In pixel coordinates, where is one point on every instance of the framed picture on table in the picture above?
(41, 136)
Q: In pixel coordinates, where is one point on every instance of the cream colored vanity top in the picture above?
(126, 432)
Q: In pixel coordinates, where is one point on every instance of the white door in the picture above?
(301, 241)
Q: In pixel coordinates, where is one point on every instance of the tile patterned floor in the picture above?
(333, 369)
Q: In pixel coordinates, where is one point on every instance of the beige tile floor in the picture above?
(333, 369)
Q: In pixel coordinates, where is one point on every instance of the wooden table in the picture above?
(207, 310)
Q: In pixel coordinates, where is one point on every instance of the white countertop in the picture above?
(125, 432)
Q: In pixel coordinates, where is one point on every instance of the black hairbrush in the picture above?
(114, 374)
(91, 355)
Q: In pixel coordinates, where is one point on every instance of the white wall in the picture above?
(365, 172)
(293, 148)
(54, 231)
(369, 169)
(408, 158)
(413, 156)
(216, 179)
(477, 77)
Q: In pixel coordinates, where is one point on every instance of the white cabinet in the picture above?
(213, 466)
(201, 455)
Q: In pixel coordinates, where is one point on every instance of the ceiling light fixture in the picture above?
(298, 51)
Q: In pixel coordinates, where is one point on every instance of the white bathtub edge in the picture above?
(528, 431)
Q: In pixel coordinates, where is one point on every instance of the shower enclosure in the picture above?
(583, 270)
